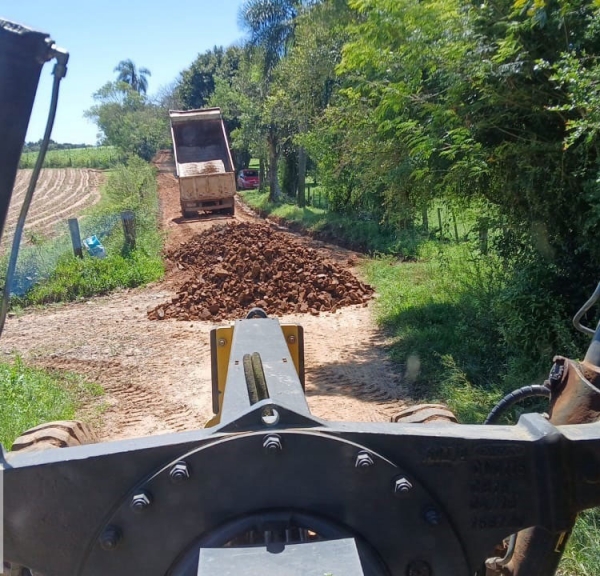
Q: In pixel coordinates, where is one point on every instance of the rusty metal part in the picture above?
(424, 413)
(575, 399)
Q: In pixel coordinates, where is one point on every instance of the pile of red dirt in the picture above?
(236, 267)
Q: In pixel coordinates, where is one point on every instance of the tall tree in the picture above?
(270, 24)
(130, 74)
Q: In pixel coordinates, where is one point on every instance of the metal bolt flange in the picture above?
(180, 472)
(110, 538)
(272, 444)
(402, 486)
(363, 461)
(140, 501)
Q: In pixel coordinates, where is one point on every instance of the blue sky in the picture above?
(161, 36)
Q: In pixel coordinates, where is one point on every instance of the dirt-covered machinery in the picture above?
(269, 489)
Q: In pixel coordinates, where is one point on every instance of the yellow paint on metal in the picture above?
(224, 339)
(290, 333)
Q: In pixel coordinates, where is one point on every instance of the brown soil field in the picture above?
(61, 193)
(156, 374)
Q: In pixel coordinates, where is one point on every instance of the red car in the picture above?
(248, 179)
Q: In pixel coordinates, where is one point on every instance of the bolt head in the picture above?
(222, 342)
(291, 339)
(402, 486)
(272, 444)
(110, 538)
(363, 461)
(180, 472)
(140, 501)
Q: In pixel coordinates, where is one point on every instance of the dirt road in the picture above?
(157, 374)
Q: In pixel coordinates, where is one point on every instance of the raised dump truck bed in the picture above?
(203, 161)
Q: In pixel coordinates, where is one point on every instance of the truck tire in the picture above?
(60, 434)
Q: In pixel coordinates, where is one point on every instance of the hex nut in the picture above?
(110, 538)
(140, 501)
(180, 472)
(402, 486)
(272, 444)
(363, 461)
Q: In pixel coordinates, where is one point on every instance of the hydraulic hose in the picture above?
(59, 72)
(533, 391)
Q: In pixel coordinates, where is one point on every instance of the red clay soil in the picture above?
(234, 267)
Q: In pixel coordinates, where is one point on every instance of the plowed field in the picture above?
(61, 193)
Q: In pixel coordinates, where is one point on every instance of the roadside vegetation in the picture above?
(60, 276)
(31, 396)
(98, 157)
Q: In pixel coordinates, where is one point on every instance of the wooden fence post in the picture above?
(75, 237)
(439, 211)
(128, 219)
(455, 226)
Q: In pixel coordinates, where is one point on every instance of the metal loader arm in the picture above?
(433, 499)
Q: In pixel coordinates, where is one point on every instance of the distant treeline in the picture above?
(35, 146)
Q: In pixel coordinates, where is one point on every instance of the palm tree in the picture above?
(129, 73)
(270, 24)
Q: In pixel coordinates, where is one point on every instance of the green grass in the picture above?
(99, 157)
(444, 335)
(582, 556)
(49, 272)
(363, 234)
(31, 396)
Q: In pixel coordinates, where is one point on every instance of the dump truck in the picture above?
(203, 161)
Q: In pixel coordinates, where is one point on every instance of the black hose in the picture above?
(533, 391)
(60, 69)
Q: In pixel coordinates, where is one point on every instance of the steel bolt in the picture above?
(222, 342)
(291, 339)
(433, 516)
(180, 472)
(110, 538)
(272, 444)
(140, 501)
(402, 486)
(363, 461)
(419, 568)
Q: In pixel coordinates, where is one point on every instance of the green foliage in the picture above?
(197, 83)
(129, 121)
(62, 277)
(31, 396)
(98, 157)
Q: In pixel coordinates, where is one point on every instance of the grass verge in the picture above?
(360, 233)
(31, 396)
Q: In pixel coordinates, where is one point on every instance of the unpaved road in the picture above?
(157, 374)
